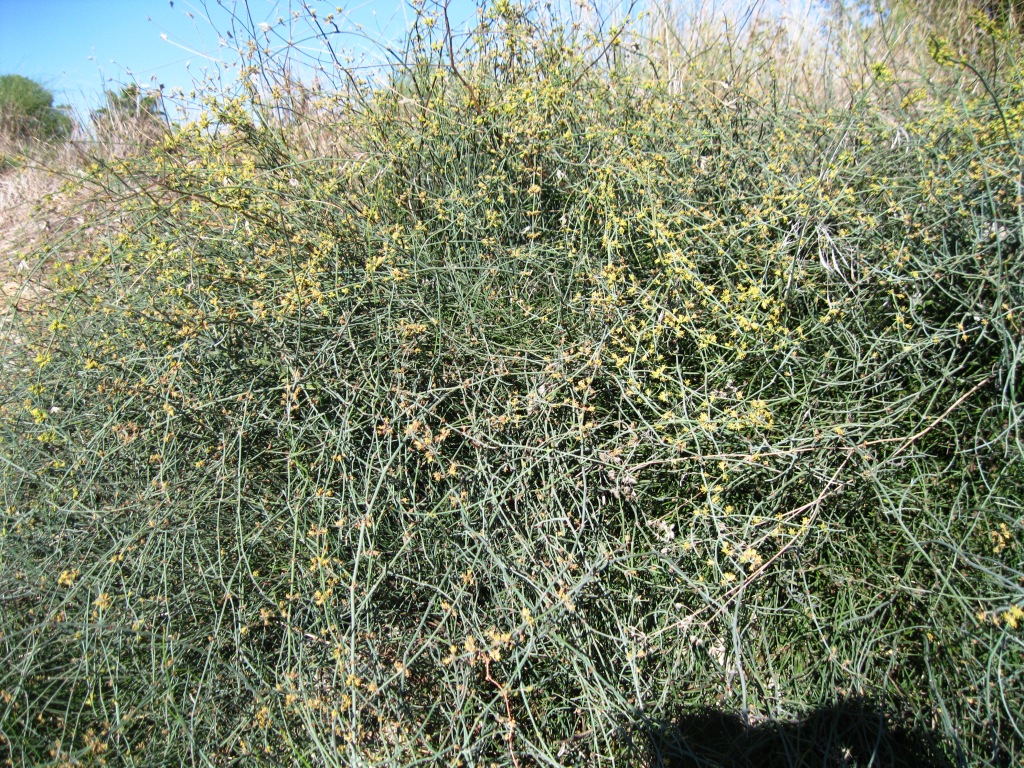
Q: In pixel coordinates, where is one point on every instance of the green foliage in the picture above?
(130, 102)
(27, 111)
(561, 405)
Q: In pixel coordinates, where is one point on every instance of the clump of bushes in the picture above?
(27, 111)
(559, 405)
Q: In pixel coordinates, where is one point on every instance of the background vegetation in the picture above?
(570, 382)
(26, 110)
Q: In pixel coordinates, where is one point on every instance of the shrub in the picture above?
(560, 406)
(27, 111)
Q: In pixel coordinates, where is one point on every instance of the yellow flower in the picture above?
(1013, 616)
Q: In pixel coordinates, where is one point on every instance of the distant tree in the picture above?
(27, 111)
(131, 115)
(131, 102)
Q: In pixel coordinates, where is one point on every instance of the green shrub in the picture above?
(27, 111)
(562, 405)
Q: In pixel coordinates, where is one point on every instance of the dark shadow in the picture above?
(843, 735)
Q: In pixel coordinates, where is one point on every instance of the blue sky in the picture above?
(78, 47)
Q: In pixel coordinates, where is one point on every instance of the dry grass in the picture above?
(796, 52)
(28, 218)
